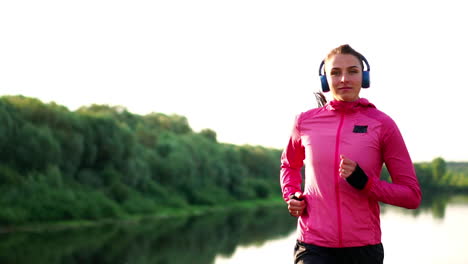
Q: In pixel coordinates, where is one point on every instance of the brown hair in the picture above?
(346, 49)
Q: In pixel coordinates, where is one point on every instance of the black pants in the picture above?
(311, 254)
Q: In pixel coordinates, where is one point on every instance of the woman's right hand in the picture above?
(296, 204)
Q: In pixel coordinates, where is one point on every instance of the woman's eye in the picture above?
(335, 73)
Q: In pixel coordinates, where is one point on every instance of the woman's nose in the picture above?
(344, 77)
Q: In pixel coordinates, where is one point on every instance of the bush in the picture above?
(120, 192)
(260, 188)
(140, 205)
(9, 176)
(9, 215)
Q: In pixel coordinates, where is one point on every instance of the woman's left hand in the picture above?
(347, 167)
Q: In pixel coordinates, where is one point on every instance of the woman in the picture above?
(343, 146)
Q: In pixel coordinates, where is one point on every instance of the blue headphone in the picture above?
(365, 76)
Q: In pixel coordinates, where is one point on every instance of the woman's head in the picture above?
(344, 73)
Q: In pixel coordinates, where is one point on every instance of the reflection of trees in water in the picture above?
(435, 203)
(173, 240)
(196, 240)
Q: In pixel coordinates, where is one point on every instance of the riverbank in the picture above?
(132, 219)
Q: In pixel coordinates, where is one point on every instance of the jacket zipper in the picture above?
(337, 181)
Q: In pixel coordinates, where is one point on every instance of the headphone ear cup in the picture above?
(365, 79)
(323, 80)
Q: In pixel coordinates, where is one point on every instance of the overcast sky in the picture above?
(243, 68)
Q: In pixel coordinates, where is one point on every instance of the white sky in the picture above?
(243, 68)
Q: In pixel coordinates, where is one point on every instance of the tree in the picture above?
(439, 168)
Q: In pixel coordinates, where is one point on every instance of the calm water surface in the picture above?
(436, 233)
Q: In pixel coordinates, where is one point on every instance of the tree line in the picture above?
(439, 176)
(102, 161)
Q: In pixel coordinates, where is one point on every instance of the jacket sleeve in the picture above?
(292, 161)
(404, 191)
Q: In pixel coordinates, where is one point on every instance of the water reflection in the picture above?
(173, 240)
(436, 204)
(201, 239)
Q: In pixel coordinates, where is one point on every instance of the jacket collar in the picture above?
(349, 107)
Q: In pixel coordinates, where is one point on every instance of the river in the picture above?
(431, 235)
(435, 233)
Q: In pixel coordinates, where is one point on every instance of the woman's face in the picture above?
(344, 76)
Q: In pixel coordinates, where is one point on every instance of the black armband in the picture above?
(358, 178)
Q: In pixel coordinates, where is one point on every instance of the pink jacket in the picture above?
(337, 214)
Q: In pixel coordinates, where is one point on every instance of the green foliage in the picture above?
(9, 176)
(260, 188)
(103, 161)
(439, 169)
(209, 134)
(36, 148)
(439, 176)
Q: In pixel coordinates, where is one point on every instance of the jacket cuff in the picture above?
(358, 178)
(289, 195)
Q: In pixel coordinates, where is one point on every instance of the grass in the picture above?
(162, 213)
